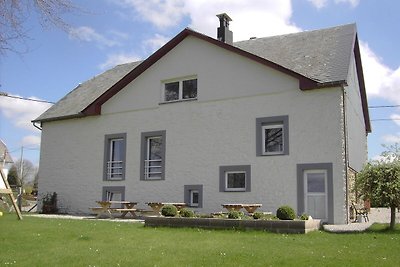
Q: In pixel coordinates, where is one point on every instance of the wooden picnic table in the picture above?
(250, 208)
(107, 209)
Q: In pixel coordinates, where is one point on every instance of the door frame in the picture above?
(301, 168)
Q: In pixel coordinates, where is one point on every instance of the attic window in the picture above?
(179, 90)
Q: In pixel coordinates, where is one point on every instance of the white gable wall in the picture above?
(356, 134)
(216, 130)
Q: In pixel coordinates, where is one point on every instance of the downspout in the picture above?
(37, 127)
(345, 153)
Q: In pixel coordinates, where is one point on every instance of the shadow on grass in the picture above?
(383, 228)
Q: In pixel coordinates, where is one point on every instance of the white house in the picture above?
(280, 120)
(5, 158)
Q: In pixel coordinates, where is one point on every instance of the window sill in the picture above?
(235, 190)
(178, 101)
(274, 154)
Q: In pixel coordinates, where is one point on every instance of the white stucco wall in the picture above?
(218, 129)
(356, 133)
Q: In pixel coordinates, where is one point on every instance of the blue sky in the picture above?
(109, 32)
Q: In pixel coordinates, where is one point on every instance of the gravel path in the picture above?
(379, 215)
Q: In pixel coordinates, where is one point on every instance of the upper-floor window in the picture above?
(114, 157)
(272, 139)
(180, 90)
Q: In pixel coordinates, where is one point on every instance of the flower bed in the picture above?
(278, 226)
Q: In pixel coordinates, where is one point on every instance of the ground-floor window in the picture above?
(236, 178)
(193, 195)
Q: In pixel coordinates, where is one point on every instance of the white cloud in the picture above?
(261, 18)
(380, 80)
(318, 3)
(22, 112)
(155, 42)
(88, 34)
(161, 13)
(31, 140)
(118, 58)
(353, 3)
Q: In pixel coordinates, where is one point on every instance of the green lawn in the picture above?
(61, 242)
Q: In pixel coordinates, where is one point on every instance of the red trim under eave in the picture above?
(95, 107)
(360, 75)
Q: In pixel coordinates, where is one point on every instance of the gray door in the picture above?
(315, 191)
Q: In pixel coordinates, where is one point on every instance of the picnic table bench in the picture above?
(250, 208)
(106, 208)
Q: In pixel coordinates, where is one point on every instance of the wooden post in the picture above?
(6, 190)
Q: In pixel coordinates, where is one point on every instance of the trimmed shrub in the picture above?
(169, 211)
(285, 213)
(258, 215)
(233, 214)
(186, 213)
(304, 217)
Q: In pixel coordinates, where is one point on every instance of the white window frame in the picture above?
(191, 193)
(273, 126)
(110, 168)
(180, 96)
(241, 189)
(148, 160)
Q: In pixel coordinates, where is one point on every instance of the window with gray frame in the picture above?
(114, 193)
(114, 156)
(272, 136)
(153, 155)
(236, 178)
(193, 195)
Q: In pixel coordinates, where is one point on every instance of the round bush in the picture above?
(233, 214)
(285, 213)
(169, 211)
(304, 217)
(258, 215)
(186, 213)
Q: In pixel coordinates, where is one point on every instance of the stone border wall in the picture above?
(292, 227)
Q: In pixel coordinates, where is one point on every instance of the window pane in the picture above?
(194, 197)
(316, 182)
(116, 149)
(273, 139)
(190, 89)
(115, 160)
(172, 91)
(155, 144)
(236, 180)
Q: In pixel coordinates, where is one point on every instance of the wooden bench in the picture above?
(363, 212)
(124, 211)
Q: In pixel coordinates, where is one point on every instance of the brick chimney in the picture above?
(223, 33)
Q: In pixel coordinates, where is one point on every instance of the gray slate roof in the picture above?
(321, 55)
(84, 94)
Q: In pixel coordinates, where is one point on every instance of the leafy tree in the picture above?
(12, 177)
(14, 14)
(379, 181)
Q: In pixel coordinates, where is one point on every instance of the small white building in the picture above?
(280, 120)
(5, 158)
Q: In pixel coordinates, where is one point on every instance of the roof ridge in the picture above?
(299, 32)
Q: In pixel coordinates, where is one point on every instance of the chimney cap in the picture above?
(224, 16)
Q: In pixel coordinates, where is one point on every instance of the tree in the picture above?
(379, 181)
(28, 171)
(12, 177)
(14, 13)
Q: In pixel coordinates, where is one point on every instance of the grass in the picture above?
(61, 242)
